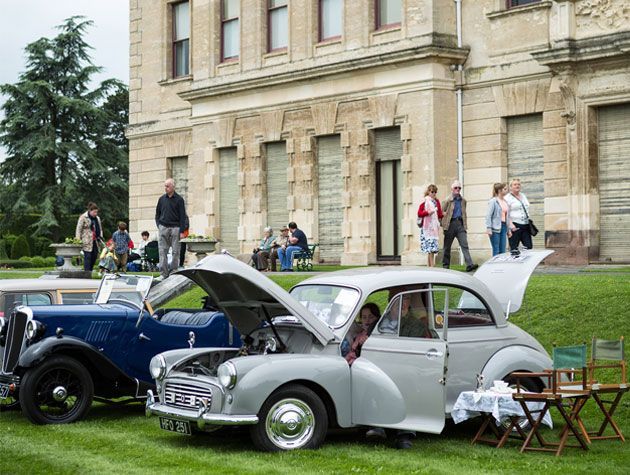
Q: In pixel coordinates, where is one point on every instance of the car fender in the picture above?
(515, 358)
(268, 373)
(70, 346)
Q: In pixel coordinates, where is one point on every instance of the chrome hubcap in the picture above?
(290, 424)
(60, 394)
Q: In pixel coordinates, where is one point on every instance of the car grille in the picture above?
(185, 395)
(14, 340)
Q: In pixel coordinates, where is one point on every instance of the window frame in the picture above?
(224, 20)
(509, 4)
(271, 9)
(377, 18)
(175, 42)
(320, 23)
(451, 326)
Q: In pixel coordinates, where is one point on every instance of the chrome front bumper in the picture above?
(200, 417)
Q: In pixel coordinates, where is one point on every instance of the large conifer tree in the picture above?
(65, 143)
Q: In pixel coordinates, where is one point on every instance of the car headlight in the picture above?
(34, 329)
(157, 367)
(227, 375)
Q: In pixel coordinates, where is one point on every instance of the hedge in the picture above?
(20, 247)
(15, 264)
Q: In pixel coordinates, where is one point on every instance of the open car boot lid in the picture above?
(248, 298)
(506, 275)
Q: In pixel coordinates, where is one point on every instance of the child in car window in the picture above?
(369, 316)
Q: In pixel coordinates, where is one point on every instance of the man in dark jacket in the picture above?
(170, 218)
(454, 225)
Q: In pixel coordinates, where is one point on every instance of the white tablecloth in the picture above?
(470, 404)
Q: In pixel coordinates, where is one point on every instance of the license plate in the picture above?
(4, 391)
(173, 425)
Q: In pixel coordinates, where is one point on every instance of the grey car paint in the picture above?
(397, 382)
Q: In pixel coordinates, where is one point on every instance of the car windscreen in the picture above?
(330, 303)
(132, 288)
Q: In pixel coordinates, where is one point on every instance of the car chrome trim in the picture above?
(16, 331)
(154, 408)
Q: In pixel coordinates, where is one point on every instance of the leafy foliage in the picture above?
(65, 142)
(3, 249)
(20, 248)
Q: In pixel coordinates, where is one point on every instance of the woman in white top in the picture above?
(519, 212)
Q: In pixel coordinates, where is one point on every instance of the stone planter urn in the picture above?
(67, 251)
(200, 246)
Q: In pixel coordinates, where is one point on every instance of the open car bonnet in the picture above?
(507, 275)
(248, 297)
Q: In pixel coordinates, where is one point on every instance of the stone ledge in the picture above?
(522, 9)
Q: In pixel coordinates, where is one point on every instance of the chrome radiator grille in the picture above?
(14, 340)
(186, 395)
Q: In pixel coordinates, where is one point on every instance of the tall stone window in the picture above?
(277, 162)
(330, 19)
(329, 198)
(525, 162)
(388, 151)
(278, 25)
(181, 39)
(178, 170)
(388, 13)
(518, 3)
(230, 30)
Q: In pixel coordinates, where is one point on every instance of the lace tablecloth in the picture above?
(470, 404)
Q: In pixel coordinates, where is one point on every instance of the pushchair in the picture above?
(150, 257)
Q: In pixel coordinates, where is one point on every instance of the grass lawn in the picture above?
(564, 309)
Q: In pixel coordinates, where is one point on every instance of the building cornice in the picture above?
(569, 53)
(313, 68)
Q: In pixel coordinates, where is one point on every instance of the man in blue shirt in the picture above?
(297, 242)
(454, 225)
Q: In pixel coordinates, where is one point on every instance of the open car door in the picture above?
(399, 379)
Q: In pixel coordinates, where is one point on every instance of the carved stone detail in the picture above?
(566, 84)
(607, 14)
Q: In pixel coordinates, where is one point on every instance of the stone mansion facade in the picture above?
(337, 114)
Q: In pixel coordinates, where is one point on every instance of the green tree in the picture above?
(65, 143)
(20, 247)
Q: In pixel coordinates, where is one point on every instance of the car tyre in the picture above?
(293, 417)
(528, 384)
(58, 391)
(9, 404)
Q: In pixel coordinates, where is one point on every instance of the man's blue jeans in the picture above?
(286, 256)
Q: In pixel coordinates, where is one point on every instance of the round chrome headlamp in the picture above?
(227, 375)
(34, 329)
(157, 367)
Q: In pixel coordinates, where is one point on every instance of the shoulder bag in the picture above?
(533, 230)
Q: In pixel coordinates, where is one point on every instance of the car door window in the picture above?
(31, 299)
(77, 298)
(465, 309)
(411, 315)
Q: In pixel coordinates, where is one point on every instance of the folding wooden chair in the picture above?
(607, 354)
(562, 394)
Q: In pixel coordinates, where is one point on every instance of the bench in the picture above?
(305, 258)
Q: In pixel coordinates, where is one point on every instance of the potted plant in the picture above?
(200, 245)
(68, 249)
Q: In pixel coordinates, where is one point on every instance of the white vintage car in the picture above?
(290, 381)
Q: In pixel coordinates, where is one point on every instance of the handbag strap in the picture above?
(524, 210)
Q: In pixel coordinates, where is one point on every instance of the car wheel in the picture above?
(527, 384)
(58, 391)
(9, 404)
(293, 417)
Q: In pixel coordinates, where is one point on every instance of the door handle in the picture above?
(433, 354)
(142, 336)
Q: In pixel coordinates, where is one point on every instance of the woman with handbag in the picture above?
(519, 212)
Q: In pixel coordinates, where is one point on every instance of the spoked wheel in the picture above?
(293, 417)
(58, 391)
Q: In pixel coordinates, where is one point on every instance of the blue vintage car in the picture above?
(54, 360)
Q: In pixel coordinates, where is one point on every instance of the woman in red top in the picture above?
(430, 212)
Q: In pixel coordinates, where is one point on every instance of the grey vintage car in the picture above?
(290, 381)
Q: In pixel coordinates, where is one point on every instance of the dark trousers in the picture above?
(89, 258)
(273, 258)
(521, 235)
(456, 230)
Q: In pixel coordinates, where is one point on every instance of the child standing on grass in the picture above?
(121, 241)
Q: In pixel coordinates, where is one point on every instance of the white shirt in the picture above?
(517, 214)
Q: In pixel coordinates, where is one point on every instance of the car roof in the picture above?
(8, 285)
(371, 279)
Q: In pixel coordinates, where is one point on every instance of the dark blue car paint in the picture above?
(108, 336)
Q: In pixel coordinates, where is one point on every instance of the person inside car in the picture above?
(369, 316)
